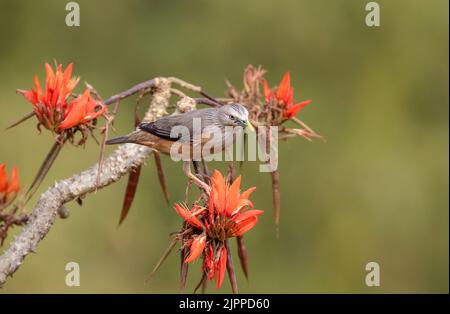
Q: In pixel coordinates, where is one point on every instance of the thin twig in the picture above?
(45, 167)
(202, 283)
(23, 119)
(131, 91)
(184, 268)
(163, 258)
(218, 103)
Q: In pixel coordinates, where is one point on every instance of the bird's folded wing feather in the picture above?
(171, 127)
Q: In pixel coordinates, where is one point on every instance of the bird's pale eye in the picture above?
(231, 117)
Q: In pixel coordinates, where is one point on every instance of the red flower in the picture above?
(52, 106)
(8, 188)
(222, 219)
(284, 96)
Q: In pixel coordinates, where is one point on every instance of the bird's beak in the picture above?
(249, 126)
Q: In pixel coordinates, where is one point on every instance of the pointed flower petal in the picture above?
(245, 222)
(247, 193)
(284, 87)
(3, 178)
(76, 112)
(220, 191)
(268, 94)
(221, 266)
(186, 214)
(291, 112)
(233, 196)
(242, 203)
(197, 247)
(13, 184)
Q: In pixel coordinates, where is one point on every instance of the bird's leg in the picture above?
(197, 172)
(196, 180)
(206, 176)
(195, 164)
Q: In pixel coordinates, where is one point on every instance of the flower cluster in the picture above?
(284, 96)
(8, 188)
(55, 107)
(272, 107)
(223, 218)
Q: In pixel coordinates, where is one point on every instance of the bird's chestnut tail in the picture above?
(119, 140)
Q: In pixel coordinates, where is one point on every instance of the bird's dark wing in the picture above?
(158, 129)
(163, 126)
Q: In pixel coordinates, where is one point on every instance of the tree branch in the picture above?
(120, 162)
(133, 90)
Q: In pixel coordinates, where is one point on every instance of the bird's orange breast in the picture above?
(168, 147)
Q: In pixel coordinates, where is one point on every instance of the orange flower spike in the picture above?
(57, 84)
(50, 75)
(267, 91)
(49, 81)
(38, 91)
(67, 75)
(221, 191)
(3, 178)
(233, 196)
(8, 188)
(13, 185)
(186, 214)
(197, 247)
(289, 97)
(285, 97)
(67, 86)
(73, 82)
(284, 87)
(221, 266)
(246, 194)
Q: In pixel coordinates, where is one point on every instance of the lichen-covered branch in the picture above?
(119, 163)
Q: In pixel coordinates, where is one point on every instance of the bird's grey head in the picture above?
(234, 115)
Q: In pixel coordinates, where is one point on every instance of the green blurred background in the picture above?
(377, 190)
